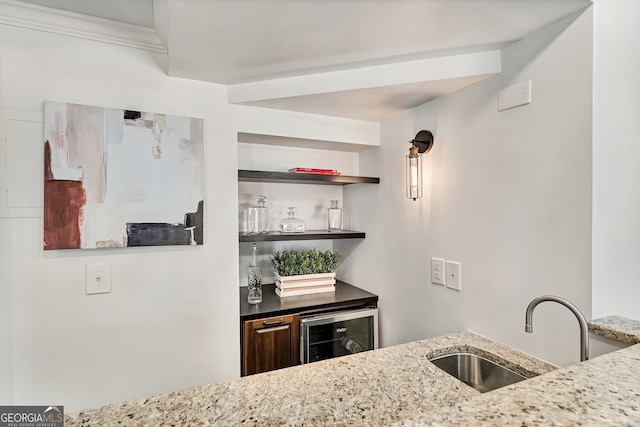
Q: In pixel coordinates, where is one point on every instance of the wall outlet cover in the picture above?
(454, 272)
(437, 271)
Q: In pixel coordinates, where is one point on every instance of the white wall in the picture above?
(6, 350)
(171, 319)
(616, 152)
(508, 195)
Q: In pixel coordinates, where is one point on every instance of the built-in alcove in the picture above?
(263, 170)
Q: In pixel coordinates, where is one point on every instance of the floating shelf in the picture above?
(303, 178)
(276, 236)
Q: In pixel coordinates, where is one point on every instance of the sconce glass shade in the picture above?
(414, 174)
(422, 143)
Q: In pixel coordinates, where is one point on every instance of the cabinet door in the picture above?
(271, 343)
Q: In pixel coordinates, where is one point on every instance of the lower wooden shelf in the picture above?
(275, 236)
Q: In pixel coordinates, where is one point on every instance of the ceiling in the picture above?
(137, 12)
(254, 43)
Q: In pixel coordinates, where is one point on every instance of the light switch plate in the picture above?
(454, 279)
(437, 271)
(98, 278)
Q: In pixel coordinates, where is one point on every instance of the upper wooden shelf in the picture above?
(303, 178)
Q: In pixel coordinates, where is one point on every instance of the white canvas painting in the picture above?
(121, 178)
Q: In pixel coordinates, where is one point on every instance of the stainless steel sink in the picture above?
(478, 372)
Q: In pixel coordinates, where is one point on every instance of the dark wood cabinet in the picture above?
(270, 331)
(270, 343)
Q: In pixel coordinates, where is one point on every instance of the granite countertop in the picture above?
(398, 386)
(617, 328)
(602, 391)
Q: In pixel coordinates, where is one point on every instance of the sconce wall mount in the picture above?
(424, 141)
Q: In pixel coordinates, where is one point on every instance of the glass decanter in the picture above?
(257, 217)
(292, 224)
(254, 283)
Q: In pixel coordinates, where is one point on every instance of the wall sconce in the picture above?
(421, 144)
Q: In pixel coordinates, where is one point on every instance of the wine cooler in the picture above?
(337, 334)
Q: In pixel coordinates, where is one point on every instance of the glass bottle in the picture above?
(252, 220)
(263, 215)
(292, 224)
(254, 283)
(257, 217)
(335, 216)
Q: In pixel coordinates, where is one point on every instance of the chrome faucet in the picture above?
(584, 330)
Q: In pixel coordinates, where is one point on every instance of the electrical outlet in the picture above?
(98, 280)
(437, 271)
(454, 279)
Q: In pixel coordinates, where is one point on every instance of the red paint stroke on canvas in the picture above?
(63, 209)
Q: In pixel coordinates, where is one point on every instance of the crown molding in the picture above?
(40, 18)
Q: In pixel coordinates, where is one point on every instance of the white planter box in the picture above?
(305, 284)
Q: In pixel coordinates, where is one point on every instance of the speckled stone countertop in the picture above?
(604, 391)
(398, 386)
(617, 328)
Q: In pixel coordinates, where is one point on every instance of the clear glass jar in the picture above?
(335, 216)
(254, 283)
(292, 224)
(258, 217)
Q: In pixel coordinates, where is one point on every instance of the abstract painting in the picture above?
(121, 178)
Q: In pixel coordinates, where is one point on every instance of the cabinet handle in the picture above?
(277, 322)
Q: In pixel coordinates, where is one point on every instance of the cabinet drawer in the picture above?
(270, 343)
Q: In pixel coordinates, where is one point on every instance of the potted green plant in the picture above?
(301, 272)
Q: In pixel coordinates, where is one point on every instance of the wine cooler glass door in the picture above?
(338, 334)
